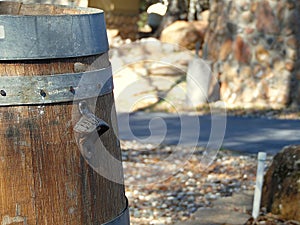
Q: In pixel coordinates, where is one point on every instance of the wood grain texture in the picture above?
(43, 177)
(18, 8)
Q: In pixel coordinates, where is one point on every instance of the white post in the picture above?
(259, 183)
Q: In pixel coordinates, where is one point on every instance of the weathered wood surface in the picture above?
(43, 177)
(18, 8)
(80, 3)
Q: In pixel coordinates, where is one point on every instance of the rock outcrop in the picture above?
(183, 33)
(281, 191)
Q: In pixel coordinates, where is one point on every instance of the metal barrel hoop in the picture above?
(57, 88)
(88, 35)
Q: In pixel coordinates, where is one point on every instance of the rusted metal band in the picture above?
(53, 36)
(122, 219)
(48, 89)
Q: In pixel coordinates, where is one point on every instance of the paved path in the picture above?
(232, 210)
(249, 135)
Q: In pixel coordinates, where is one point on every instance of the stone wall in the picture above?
(254, 46)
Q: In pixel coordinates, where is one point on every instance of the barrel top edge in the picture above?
(47, 57)
(81, 11)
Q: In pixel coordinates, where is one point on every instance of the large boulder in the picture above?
(185, 34)
(281, 191)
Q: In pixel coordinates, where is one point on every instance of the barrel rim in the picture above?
(86, 10)
(35, 37)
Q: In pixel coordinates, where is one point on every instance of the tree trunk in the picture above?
(195, 9)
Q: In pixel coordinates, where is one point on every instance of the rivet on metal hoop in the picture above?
(3, 93)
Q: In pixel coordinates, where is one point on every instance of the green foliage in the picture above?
(143, 20)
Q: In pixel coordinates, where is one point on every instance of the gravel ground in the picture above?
(289, 113)
(286, 113)
(270, 219)
(180, 188)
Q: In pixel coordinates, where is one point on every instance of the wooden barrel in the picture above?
(57, 119)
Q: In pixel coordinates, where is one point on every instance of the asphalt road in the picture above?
(249, 135)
